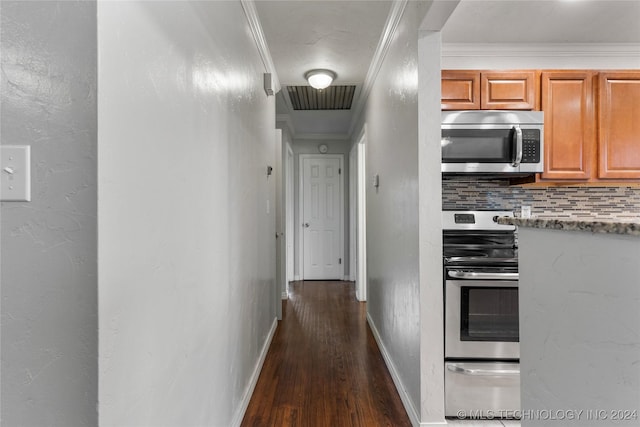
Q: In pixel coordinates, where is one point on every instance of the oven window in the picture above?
(489, 314)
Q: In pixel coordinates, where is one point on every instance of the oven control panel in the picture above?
(464, 218)
(474, 220)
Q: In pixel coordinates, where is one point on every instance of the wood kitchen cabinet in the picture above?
(591, 126)
(460, 90)
(619, 125)
(489, 90)
(508, 90)
(569, 124)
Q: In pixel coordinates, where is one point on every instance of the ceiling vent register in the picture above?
(331, 98)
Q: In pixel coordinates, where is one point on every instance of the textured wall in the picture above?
(187, 248)
(579, 202)
(49, 266)
(392, 209)
(430, 231)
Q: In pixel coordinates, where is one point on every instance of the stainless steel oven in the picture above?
(482, 351)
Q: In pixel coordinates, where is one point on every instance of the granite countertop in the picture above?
(594, 225)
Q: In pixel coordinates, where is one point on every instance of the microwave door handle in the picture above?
(517, 139)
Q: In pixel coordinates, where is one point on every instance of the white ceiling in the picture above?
(544, 21)
(343, 36)
(339, 35)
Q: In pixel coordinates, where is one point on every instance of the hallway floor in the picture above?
(324, 367)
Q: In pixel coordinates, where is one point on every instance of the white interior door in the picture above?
(322, 217)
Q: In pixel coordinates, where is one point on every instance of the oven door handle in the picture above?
(472, 275)
(482, 372)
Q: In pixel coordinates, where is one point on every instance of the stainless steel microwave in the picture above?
(492, 142)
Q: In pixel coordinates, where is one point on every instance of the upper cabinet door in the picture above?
(460, 90)
(509, 90)
(619, 125)
(569, 122)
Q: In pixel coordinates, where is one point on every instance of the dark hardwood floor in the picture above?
(324, 367)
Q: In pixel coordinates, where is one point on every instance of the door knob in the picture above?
(305, 225)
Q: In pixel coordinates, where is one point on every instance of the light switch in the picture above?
(15, 165)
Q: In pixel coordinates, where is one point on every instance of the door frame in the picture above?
(361, 220)
(353, 212)
(301, 160)
(289, 166)
(279, 222)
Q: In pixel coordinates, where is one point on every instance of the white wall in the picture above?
(431, 275)
(49, 264)
(393, 299)
(186, 246)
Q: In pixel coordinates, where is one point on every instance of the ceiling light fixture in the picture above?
(320, 79)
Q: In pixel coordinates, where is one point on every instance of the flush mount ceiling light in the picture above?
(320, 79)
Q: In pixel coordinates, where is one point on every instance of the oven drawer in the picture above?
(487, 389)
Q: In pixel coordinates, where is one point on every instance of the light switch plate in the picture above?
(15, 167)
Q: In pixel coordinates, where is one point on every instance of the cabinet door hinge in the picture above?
(339, 171)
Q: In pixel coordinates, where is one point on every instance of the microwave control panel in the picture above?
(530, 146)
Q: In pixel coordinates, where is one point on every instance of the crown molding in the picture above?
(605, 50)
(393, 20)
(249, 8)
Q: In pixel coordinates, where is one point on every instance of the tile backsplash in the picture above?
(568, 202)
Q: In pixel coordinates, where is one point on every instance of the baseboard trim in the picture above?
(402, 391)
(296, 278)
(246, 398)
